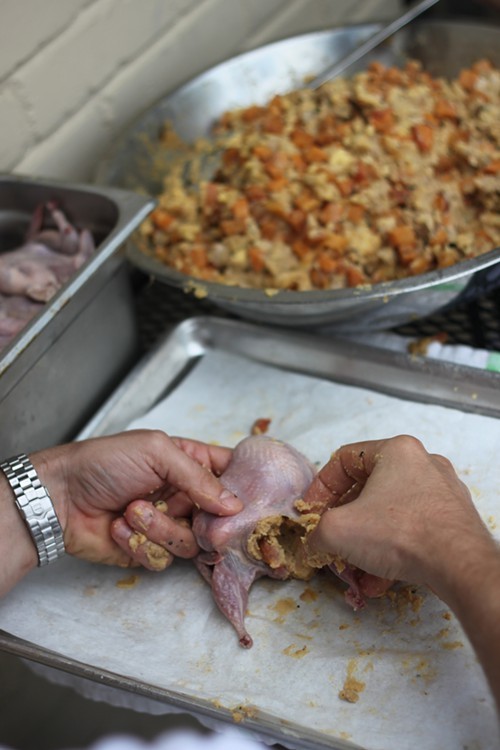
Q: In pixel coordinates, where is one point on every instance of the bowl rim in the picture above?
(271, 296)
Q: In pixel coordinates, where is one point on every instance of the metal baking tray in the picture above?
(395, 373)
(139, 159)
(163, 370)
(62, 365)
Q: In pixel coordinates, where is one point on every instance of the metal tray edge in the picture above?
(262, 723)
(406, 376)
(132, 210)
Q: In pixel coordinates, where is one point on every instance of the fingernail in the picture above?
(229, 501)
(142, 518)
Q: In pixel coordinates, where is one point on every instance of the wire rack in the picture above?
(476, 323)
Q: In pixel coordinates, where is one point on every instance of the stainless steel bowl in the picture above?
(138, 161)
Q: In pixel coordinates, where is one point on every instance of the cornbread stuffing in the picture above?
(279, 542)
(386, 175)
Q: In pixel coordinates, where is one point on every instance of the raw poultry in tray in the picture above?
(386, 175)
(31, 274)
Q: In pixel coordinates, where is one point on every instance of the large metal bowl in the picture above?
(138, 161)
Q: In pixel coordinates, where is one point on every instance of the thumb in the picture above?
(198, 483)
(362, 539)
(336, 532)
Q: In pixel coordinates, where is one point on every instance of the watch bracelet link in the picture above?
(35, 506)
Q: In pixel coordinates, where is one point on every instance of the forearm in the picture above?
(471, 589)
(17, 551)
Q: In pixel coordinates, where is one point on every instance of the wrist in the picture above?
(464, 566)
(471, 592)
(29, 520)
(17, 552)
(50, 467)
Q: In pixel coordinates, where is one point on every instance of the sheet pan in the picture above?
(162, 636)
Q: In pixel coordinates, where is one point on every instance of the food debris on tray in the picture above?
(420, 347)
(260, 426)
(389, 174)
(30, 275)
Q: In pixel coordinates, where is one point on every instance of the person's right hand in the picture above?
(401, 513)
(397, 511)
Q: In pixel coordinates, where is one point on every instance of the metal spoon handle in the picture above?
(372, 42)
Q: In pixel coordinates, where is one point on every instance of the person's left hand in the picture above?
(142, 474)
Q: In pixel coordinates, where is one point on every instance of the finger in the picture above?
(443, 462)
(178, 506)
(174, 502)
(341, 479)
(214, 457)
(351, 463)
(177, 468)
(139, 548)
(335, 526)
(373, 586)
(173, 535)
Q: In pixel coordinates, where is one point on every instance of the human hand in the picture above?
(396, 511)
(93, 482)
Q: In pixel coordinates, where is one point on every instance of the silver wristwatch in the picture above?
(36, 508)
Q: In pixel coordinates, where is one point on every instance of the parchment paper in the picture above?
(419, 684)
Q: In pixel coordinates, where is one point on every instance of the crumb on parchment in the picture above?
(297, 652)
(352, 687)
(240, 713)
(127, 583)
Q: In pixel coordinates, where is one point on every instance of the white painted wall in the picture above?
(74, 72)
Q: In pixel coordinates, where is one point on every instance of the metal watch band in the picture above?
(36, 508)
